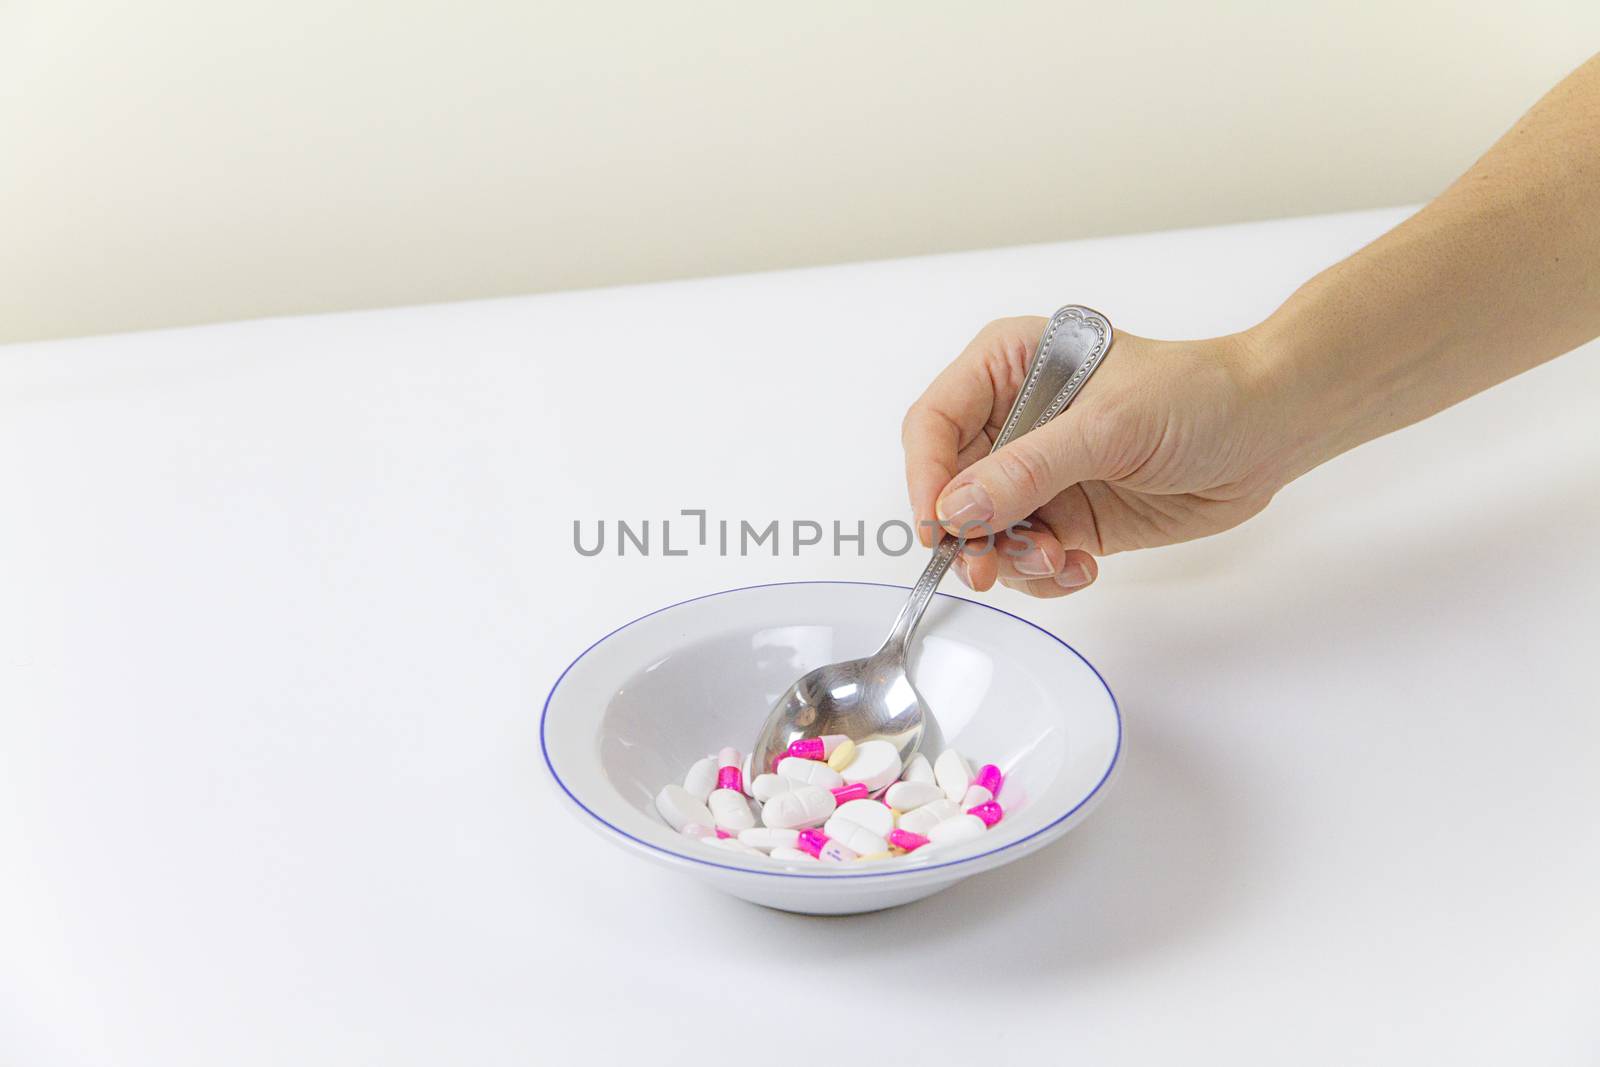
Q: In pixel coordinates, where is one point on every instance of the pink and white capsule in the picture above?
(810, 772)
(730, 809)
(877, 765)
(990, 778)
(818, 748)
(810, 842)
(849, 794)
(728, 774)
(990, 813)
(905, 839)
(805, 805)
(834, 852)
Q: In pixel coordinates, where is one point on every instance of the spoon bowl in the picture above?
(874, 698)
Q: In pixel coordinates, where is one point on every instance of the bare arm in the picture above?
(1498, 274)
(1179, 439)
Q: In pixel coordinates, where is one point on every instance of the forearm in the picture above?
(1497, 275)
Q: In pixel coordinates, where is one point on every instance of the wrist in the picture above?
(1332, 372)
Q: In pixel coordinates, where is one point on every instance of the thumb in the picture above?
(1009, 485)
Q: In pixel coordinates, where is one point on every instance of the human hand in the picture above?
(1168, 441)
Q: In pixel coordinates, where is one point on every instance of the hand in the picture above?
(1168, 441)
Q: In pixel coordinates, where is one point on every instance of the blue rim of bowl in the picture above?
(544, 748)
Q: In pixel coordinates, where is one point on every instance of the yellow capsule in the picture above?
(842, 755)
(885, 855)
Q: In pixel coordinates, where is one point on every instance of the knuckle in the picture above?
(1025, 468)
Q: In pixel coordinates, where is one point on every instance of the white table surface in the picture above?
(279, 603)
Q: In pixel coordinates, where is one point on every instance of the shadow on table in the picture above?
(1146, 870)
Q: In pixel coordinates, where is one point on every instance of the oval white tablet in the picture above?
(952, 831)
(918, 769)
(731, 810)
(702, 778)
(909, 795)
(681, 808)
(732, 844)
(857, 839)
(928, 816)
(809, 805)
(868, 813)
(953, 773)
(767, 786)
(809, 771)
(792, 854)
(876, 765)
(769, 837)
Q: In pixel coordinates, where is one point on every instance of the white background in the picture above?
(281, 602)
(181, 161)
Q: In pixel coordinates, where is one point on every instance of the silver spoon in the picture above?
(873, 698)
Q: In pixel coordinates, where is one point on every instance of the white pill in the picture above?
(908, 795)
(928, 816)
(952, 831)
(809, 805)
(744, 776)
(732, 844)
(953, 773)
(767, 786)
(792, 854)
(702, 778)
(769, 837)
(975, 795)
(857, 839)
(876, 765)
(918, 769)
(731, 810)
(681, 808)
(868, 813)
(809, 771)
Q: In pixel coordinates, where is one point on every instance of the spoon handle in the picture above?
(1074, 342)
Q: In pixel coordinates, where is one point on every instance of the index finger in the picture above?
(949, 416)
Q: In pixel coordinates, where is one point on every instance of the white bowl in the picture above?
(645, 701)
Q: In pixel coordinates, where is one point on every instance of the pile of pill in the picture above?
(830, 800)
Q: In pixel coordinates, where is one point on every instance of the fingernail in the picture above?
(1034, 563)
(963, 505)
(1072, 576)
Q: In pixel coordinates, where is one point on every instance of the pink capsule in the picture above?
(807, 748)
(815, 747)
(730, 778)
(811, 841)
(989, 777)
(723, 833)
(907, 840)
(846, 793)
(990, 813)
